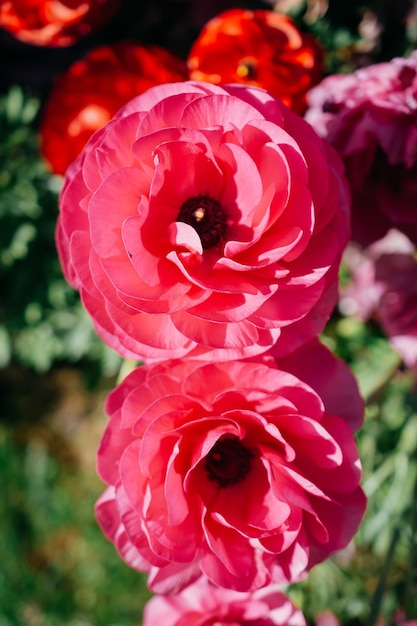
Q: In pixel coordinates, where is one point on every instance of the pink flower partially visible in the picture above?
(399, 618)
(204, 221)
(384, 287)
(370, 117)
(203, 604)
(238, 470)
(326, 618)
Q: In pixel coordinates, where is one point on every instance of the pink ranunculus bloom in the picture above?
(240, 470)
(204, 604)
(204, 220)
(383, 287)
(370, 117)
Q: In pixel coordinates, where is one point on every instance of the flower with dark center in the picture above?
(228, 469)
(206, 250)
(207, 216)
(228, 462)
(261, 48)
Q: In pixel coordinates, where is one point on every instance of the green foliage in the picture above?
(41, 318)
(377, 575)
(356, 33)
(57, 568)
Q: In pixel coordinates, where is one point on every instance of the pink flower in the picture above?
(326, 618)
(238, 470)
(204, 220)
(399, 618)
(383, 287)
(203, 604)
(370, 118)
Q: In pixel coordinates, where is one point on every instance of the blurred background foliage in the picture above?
(374, 580)
(55, 565)
(41, 318)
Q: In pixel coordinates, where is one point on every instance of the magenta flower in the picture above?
(370, 118)
(238, 470)
(203, 604)
(204, 221)
(383, 287)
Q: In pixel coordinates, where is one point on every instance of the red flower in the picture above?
(261, 48)
(54, 22)
(82, 101)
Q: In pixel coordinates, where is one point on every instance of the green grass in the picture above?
(56, 566)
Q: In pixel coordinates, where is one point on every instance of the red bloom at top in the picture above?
(261, 48)
(54, 22)
(87, 96)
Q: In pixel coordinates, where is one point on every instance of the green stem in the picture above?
(126, 367)
(410, 599)
(382, 582)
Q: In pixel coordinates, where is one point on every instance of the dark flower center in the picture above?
(247, 68)
(228, 462)
(207, 217)
(331, 106)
